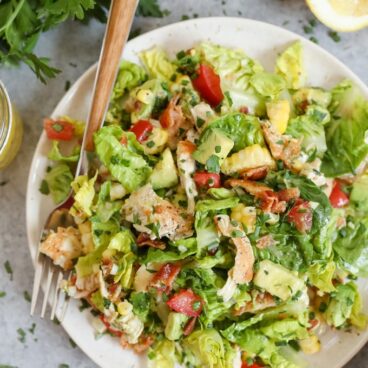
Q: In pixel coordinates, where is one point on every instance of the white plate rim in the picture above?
(168, 28)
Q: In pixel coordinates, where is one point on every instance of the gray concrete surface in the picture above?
(73, 48)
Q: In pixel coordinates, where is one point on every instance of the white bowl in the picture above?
(261, 41)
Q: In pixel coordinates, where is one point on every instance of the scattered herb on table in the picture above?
(334, 36)
(8, 269)
(21, 335)
(313, 39)
(63, 365)
(72, 343)
(7, 366)
(32, 328)
(2, 294)
(2, 183)
(26, 296)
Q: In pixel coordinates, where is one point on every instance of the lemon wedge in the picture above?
(341, 15)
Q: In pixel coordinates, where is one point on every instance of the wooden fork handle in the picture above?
(117, 31)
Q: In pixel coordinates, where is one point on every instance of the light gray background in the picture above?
(73, 47)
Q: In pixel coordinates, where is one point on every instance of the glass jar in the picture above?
(11, 129)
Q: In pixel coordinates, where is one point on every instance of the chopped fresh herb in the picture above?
(7, 366)
(63, 365)
(237, 234)
(285, 22)
(56, 321)
(308, 29)
(72, 343)
(150, 144)
(8, 269)
(4, 182)
(26, 296)
(294, 344)
(84, 305)
(67, 85)
(200, 122)
(21, 335)
(57, 127)
(213, 164)
(322, 307)
(44, 187)
(2, 294)
(228, 98)
(312, 22)
(150, 8)
(195, 15)
(135, 33)
(185, 17)
(334, 36)
(32, 328)
(218, 149)
(196, 305)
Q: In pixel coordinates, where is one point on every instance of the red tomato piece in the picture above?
(207, 83)
(337, 197)
(165, 277)
(204, 179)
(301, 215)
(59, 130)
(186, 302)
(112, 330)
(253, 365)
(124, 140)
(141, 129)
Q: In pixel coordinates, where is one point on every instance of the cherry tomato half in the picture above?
(59, 130)
(337, 197)
(207, 83)
(204, 179)
(141, 129)
(301, 215)
(186, 302)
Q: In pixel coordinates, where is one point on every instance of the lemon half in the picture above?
(341, 15)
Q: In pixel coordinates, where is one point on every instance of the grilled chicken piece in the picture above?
(63, 246)
(260, 302)
(242, 272)
(155, 216)
(265, 241)
(186, 166)
(257, 173)
(283, 147)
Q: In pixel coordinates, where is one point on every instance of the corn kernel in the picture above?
(245, 215)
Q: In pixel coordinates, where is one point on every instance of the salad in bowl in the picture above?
(223, 221)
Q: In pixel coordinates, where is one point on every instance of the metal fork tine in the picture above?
(40, 264)
(57, 293)
(50, 274)
(66, 302)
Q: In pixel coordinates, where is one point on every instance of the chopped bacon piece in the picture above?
(257, 173)
(164, 278)
(270, 202)
(251, 187)
(144, 239)
(265, 241)
(144, 342)
(111, 329)
(288, 194)
(188, 328)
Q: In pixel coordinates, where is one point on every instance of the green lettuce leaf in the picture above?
(106, 208)
(122, 241)
(90, 263)
(205, 205)
(290, 66)
(58, 180)
(207, 348)
(207, 235)
(125, 273)
(244, 130)
(320, 275)
(267, 84)
(125, 164)
(359, 193)
(162, 354)
(102, 232)
(346, 133)
(56, 155)
(157, 64)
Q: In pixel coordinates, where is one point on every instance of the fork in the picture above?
(117, 30)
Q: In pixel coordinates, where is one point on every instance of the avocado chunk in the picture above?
(164, 173)
(175, 325)
(217, 143)
(277, 280)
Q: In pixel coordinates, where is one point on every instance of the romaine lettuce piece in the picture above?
(130, 75)
(125, 164)
(84, 195)
(290, 66)
(207, 234)
(56, 155)
(90, 263)
(102, 232)
(162, 354)
(340, 307)
(243, 130)
(346, 134)
(267, 84)
(106, 208)
(125, 273)
(285, 330)
(157, 64)
(207, 348)
(320, 275)
(175, 325)
(359, 194)
(58, 180)
(351, 246)
(122, 241)
(205, 205)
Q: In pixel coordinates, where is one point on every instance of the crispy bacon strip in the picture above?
(164, 278)
(289, 194)
(144, 239)
(242, 271)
